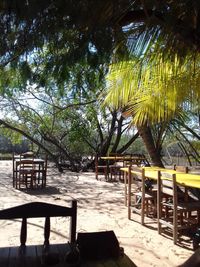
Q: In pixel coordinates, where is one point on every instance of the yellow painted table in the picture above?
(133, 159)
(106, 168)
(123, 158)
(184, 179)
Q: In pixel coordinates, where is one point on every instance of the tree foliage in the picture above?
(62, 50)
(154, 90)
(70, 126)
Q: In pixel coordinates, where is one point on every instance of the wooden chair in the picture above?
(15, 160)
(44, 172)
(136, 159)
(115, 167)
(183, 169)
(101, 169)
(37, 210)
(140, 199)
(173, 211)
(41, 172)
(26, 174)
(14, 170)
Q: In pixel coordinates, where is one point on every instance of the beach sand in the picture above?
(100, 207)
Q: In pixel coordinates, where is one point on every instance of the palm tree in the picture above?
(154, 91)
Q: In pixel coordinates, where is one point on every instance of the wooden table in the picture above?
(134, 159)
(33, 257)
(184, 179)
(189, 181)
(40, 168)
(124, 159)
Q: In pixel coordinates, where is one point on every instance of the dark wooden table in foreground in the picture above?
(33, 257)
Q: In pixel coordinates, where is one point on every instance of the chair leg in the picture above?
(143, 204)
(106, 173)
(129, 196)
(175, 227)
(125, 189)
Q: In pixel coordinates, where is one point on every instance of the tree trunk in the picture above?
(146, 135)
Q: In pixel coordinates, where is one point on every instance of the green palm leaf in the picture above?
(154, 89)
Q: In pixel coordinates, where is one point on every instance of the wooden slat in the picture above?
(4, 256)
(39, 252)
(13, 257)
(56, 255)
(30, 256)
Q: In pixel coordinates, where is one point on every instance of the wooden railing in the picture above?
(40, 209)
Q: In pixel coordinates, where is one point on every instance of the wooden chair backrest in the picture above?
(40, 209)
(26, 164)
(46, 162)
(167, 185)
(115, 154)
(29, 154)
(138, 160)
(136, 176)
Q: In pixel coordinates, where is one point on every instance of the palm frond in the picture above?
(154, 89)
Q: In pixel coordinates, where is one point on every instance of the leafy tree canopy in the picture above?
(71, 30)
(43, 42)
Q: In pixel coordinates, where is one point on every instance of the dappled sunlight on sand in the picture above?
(100, 207)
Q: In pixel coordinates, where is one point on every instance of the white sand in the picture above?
(100, 207)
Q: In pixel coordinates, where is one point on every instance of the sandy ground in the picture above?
(100, 207)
